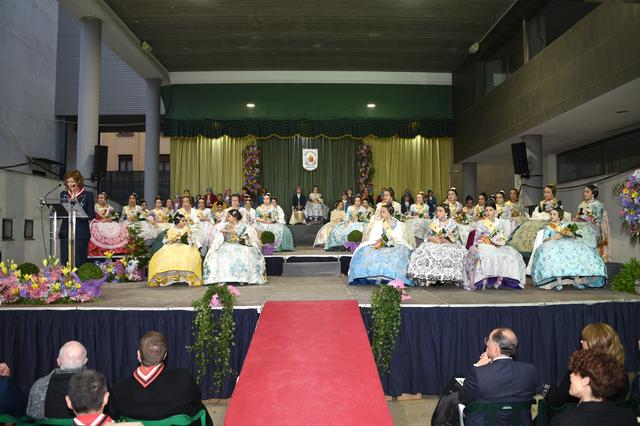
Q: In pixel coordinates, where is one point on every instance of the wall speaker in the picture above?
(519, 155)
(100, 159)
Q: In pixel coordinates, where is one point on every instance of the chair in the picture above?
(177, 420)
(491, 409)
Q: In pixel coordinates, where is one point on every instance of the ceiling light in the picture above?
(250, 105)
(474, 48)
(371, 105)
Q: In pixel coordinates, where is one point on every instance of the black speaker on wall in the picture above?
(100, 159)
(520, 163)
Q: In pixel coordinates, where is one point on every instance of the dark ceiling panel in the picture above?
(364, 35)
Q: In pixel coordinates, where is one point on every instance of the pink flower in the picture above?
(215, 302)
(233, 290)
(396, 284)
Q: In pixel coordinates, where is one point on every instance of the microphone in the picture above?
(42, 200)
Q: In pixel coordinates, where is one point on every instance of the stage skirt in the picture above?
(283, 236)
(234, 263)
(339, 235)
(419, 227)
(567, 258)
(316, 210)
(323, 234)
(501, 266)
(523, 238)
(107, 236)
(371, 266)
(175, 263)
(433, 262)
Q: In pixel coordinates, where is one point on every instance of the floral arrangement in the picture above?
(439, 231)
(628, 278)
(179, 236)
(463, 218)
(385, 327)
(364, 167)
(586, 214)
(213, 339)
(124, 269)
(629, 198)
(114, 216)
(495, 236)
(136, 248)
(52, 284)
(250, 169)
(568, 230)
(383, 241)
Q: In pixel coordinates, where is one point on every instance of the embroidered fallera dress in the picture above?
(106, 235)
(355, 220)
(283, 237)
(337, 216)
(419, 220)
(176, 261)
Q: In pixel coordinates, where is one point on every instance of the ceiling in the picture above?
(363, 35)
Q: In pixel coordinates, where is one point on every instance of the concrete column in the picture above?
(532, 196)
(88, 93)
(469, 181)
(550, 167)
(152, 141)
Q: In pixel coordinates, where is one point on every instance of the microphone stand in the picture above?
(43, 201)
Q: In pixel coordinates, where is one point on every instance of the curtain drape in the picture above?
(281, 167)
(418, 164)
(199, 162)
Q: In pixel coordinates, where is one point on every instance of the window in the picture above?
(164, 163)
(7, 229)
(125, 163)
(28, 229)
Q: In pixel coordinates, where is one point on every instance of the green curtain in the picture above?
(199, 162)
(418, 164)
(281, 167)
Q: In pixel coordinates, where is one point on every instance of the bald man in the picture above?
(47, 395)
(497, 377)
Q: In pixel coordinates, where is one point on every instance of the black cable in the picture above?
(46, 253)
(15, 165)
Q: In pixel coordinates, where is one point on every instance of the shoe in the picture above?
(579, 286)
(558, 287)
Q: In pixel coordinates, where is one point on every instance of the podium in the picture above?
(63, 208)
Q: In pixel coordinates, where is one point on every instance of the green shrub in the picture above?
(89, 271)
(267, 237)
(626, 279)
(354, 236)
(28, 268)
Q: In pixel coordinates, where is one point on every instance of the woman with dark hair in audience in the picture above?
(234, 255)
(600, 337)
(441, 257)
(489, 261)
(179, 259)
(384, 252)
(594, 220)
(596, 377)
(562, 257)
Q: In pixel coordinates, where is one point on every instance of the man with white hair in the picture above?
(47, 395)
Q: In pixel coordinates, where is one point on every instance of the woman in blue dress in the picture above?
(593, 222)
(384, 252)
(234, 256)
(268, 219)
(563, 258)
(354, 221)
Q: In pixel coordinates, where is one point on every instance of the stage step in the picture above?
(304, 235)
(311, 269)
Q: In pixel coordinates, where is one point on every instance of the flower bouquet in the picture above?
(441, 232)
(125, 269)
(629, 199)
(462, 218)
(570, 230)
(114, 216)
(383, 241)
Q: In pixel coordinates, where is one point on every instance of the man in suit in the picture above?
(152, 392)
(497, 377)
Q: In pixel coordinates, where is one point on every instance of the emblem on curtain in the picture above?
(309, 159)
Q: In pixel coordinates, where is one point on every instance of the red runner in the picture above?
(309, 363)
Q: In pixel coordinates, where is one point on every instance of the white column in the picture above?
(152, 141)
(469, 181)
(531, 196)
(88, 93)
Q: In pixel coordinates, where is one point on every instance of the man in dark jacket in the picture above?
(12, 400)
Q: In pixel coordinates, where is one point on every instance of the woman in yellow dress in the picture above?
(178, 260)
(337, 216)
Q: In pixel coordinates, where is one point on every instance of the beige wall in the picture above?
(129, 145)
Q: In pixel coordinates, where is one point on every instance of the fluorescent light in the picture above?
(371, 105)
(250, 105)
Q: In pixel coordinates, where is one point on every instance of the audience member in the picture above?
(595, 378)
(153, 392)
(87, 397)
(47, 395)
(12, 400)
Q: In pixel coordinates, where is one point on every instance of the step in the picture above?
(311, 269)
(304, 235)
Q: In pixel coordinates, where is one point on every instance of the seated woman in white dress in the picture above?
(387, 198)
(337, 216)
(593, 222)
(489, 262)
(131, 212)
(234, 256)
(384, 252)
(281, 215)
(369, 211)
(440, 258)
(134, 216)
(419, 217)
(563, 258)
(179, 258)
(355, 220)
(248, 212)
(516, 208)
(503, 211)
(268, 219)
(205, 222)
(107, 234)
(315, 210)
(478, 209)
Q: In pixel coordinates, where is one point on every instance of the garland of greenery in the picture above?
(213, 339)
(136, 247)
(364, 167)
(385, 314)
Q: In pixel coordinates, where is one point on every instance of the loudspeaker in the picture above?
(520, 162)
(100, 159)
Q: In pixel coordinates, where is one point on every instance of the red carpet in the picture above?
(309, 363)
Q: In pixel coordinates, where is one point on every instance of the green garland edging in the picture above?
(385, 314)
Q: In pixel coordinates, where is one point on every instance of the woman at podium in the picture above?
(76, 194)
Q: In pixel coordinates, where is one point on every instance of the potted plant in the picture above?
(353, 240)
(268, 239)
(628, 279)
(92, 278)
